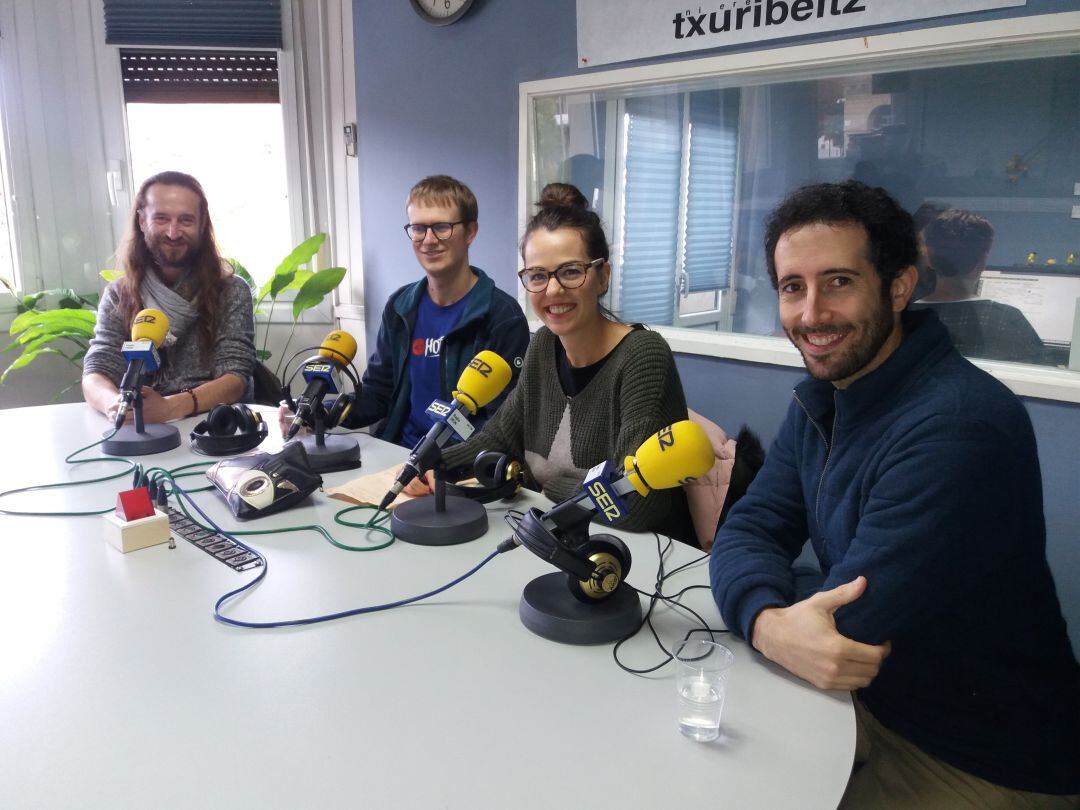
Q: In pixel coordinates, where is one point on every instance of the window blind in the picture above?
(201, 23)
(714, 140)
(199, 76)
(650, 208)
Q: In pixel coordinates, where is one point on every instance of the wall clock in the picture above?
(441, 12)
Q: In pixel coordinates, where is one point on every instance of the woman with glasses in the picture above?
(592, 388)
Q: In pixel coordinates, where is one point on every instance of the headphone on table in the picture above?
(596, 566)
(498, 475)
(227, 430)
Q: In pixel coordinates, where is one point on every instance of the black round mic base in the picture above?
(421, 523)
(155, 438)
(336, 453)
(548, 609)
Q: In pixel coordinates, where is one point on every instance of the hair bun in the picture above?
(562, 195)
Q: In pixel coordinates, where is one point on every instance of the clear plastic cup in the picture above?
(701, 680)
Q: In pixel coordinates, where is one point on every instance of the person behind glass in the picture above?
(433, 327)
(170, 262)
(592, 388)
(915, 476)
(923, 216)
(957, 244)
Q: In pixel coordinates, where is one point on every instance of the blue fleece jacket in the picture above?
(491, 320)
(922, 476)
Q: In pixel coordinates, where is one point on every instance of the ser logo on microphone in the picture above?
(480, 367)
(666, 438)
(438, 409)
(145, 319)
(603, 501)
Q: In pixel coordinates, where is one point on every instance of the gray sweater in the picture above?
(182, 364)
(559, 438)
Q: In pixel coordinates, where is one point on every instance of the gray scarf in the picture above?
(181, 313)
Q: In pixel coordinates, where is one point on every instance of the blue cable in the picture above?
(221, 617)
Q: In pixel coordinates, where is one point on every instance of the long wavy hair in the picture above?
(134, 258)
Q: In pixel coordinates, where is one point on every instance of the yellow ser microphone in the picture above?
(336, 352)
(148, 332)
(673, 456)
(486, 376)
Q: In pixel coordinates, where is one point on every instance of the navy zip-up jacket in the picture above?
(922, 476)
(491, 320)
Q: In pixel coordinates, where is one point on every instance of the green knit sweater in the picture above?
(559, 438)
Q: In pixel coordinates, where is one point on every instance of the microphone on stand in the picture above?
(674, 455)
(585, 604)
(482, 380)
(148, 332)
(322, 374)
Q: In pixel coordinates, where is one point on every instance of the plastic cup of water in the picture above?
(701, 681)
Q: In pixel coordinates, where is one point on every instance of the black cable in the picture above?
(656, 597)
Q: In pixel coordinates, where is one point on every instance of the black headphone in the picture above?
(596, 566)
(339, 411)
(227, 430)
(498, 475)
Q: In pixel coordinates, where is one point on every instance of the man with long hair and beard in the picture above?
(915, 477)
(171, 263)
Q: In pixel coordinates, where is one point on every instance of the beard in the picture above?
(864, 340)
(171, 253)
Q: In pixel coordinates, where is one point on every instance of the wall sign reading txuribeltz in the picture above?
(618, 30)
(441, 12)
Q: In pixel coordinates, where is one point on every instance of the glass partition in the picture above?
(685, 173)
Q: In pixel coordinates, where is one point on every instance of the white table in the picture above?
(118, 689)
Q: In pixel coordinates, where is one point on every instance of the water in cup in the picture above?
(702, 667)
(700, 705)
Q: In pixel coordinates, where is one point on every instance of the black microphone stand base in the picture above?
(423, 523)
(332, 454)
(153, 438)
(548, 609)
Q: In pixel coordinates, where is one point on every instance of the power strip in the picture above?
(231, 552)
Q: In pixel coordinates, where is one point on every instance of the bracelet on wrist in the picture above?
(194, 401)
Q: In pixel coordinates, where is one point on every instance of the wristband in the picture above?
(194, 401)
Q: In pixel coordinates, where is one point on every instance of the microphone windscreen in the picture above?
(150, 324)
(339, 346)
(482, 380)
(674, 455)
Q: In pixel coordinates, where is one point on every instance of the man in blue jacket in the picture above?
(433, 327)
(916, 479)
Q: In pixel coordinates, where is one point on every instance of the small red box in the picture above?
(134, 504)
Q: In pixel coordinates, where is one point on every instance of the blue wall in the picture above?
(433, 100)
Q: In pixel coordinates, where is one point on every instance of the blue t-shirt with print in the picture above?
(432, 325)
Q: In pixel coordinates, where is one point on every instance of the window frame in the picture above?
(1043, 35)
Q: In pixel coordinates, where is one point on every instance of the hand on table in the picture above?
(155, 407)
(421, 485)
(803, 639)
(285, 417)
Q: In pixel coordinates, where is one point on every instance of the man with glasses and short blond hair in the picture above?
(433, 327)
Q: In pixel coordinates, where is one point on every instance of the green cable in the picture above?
(70, 459)
(373, 524)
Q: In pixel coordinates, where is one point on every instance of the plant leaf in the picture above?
(59, 320)
(299, 280)
(111, 275)
(37, 341)
(263, 355)
(316, 289)
(25, 359)
(301, 254)
(29, 302)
